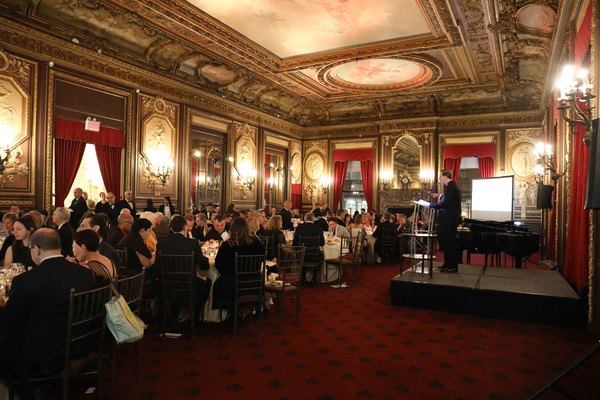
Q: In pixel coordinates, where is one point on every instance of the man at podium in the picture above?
(449, 217)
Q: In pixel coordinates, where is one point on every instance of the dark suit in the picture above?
(286, 219)
(115, 237)
(35, 317)
(322, 223)
(112, 211)
(308, 229)
(340, 222)
(213, 234)
(198, 233)
(378, 234)
(66, 239)
(179, 244)
(121, 204)
(161, 209)
(78, 208)
(449, 217)
(10, 239)
(107, 250)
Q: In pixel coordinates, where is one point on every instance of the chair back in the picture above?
(312, 248)
(347, 246)
(177, 275)
(85, 324)
(289, 263)
(131, 289)
(249, 277)
(122, 258)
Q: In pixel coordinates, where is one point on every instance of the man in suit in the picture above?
(78, 208)
(217, 232)
(449, 217)
(388, 226)
(320, 211)
(178, 243)
(110, 208)
(98, 224)
(34, 319)
(340, 213)
(60, 218)
(124, 223)
(308, 228)
(321, 220)
(286, 216)
(128, 203)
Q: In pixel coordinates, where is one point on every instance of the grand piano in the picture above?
(492, 238)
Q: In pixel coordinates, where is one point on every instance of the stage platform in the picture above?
(517, 294)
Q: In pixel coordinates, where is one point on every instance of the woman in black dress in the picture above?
(19, 252)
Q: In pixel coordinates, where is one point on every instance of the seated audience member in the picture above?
(200, 228)
(308, 228)
(335, 229)
(276, 237)
(189, 225)
(85, 250)
(217, 232)
(60, 218)
(19, 251)
(14, 209)
(123, 228)
(38, 219)
(8, 222)
(367, 221)
(98, 223)
(386, 225)
(162, 230)
(228, 218)
(34, 319)
(151, 241)
(356, 227)
(150, 206)
(340, 215)
(348, 219)
(241, 242)
(138, 254)
(321, 221)
(262, 222)
(252, 224)
(178, 243)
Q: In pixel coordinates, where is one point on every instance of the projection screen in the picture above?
(493, 199)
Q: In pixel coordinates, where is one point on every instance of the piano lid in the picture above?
(495, 226)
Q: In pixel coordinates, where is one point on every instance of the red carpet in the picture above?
(352, 344)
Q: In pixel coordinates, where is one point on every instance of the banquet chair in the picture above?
(83, 346)
(313, 257)
(388, 245)
(131, 289)
(177, 281)
(249, 288)
(122, 258)
(346, 257)
(290, 260)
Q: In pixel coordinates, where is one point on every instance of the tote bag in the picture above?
(125, 326)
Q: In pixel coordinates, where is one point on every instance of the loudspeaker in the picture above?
(544, 196)
(592, 199)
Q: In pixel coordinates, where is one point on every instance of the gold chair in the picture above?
(313, 256)
(289, 264)
(350, 248)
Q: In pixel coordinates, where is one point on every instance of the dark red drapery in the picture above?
(339, 177)
(74, 130)
(67, 158)
(297, 195)
(576, 250)
(366, 170)
(349, 155)
(109, 160)
(453, 164)
(486, 167)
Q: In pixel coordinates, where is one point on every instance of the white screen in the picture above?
(492, 199)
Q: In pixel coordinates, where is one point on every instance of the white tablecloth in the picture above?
(211, 315)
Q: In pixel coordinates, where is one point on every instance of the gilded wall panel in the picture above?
(520, 162)
(17, 128)
(244, 175)
(158, 146)
(314, 168)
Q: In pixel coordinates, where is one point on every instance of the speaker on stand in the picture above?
(544, 202)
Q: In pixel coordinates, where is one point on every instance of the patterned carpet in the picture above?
(352, 344)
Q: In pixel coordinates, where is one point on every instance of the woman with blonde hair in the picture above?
(276, 237)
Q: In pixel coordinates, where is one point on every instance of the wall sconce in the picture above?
(325, 182)
(386, 179)
(426, 178)
(10, 164)
(245, 182)
(576, 98)
(545, 163)
(159, 173)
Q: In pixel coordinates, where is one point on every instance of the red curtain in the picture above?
(109, 160)
(67, 158)
(366, 170)
(486, 167)
(576, 252)
(297, 195)
(453, 164)
(339, 177)
(74, 130)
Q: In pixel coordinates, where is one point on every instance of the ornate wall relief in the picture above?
(159, 121)
(520, 161)
(17, 112)
(243, 176)
(314, 169)
(296, 163)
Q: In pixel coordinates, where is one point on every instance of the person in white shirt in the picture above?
(335, 229)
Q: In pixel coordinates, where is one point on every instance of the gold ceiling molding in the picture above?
(211, 122)
(36, 44)
(354, 145)
(270, 138)
(479, 139)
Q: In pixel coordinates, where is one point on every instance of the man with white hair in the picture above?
(78, 208)
(60, 218)
(286, 216)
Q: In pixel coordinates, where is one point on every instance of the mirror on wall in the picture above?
(206, 169)
(275, 177)
(406, 163)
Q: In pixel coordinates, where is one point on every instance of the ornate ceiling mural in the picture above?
(323, 62)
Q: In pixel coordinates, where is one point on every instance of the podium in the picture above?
(421, 241)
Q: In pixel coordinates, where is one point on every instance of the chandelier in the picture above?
(576, 96)
(157, 174)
